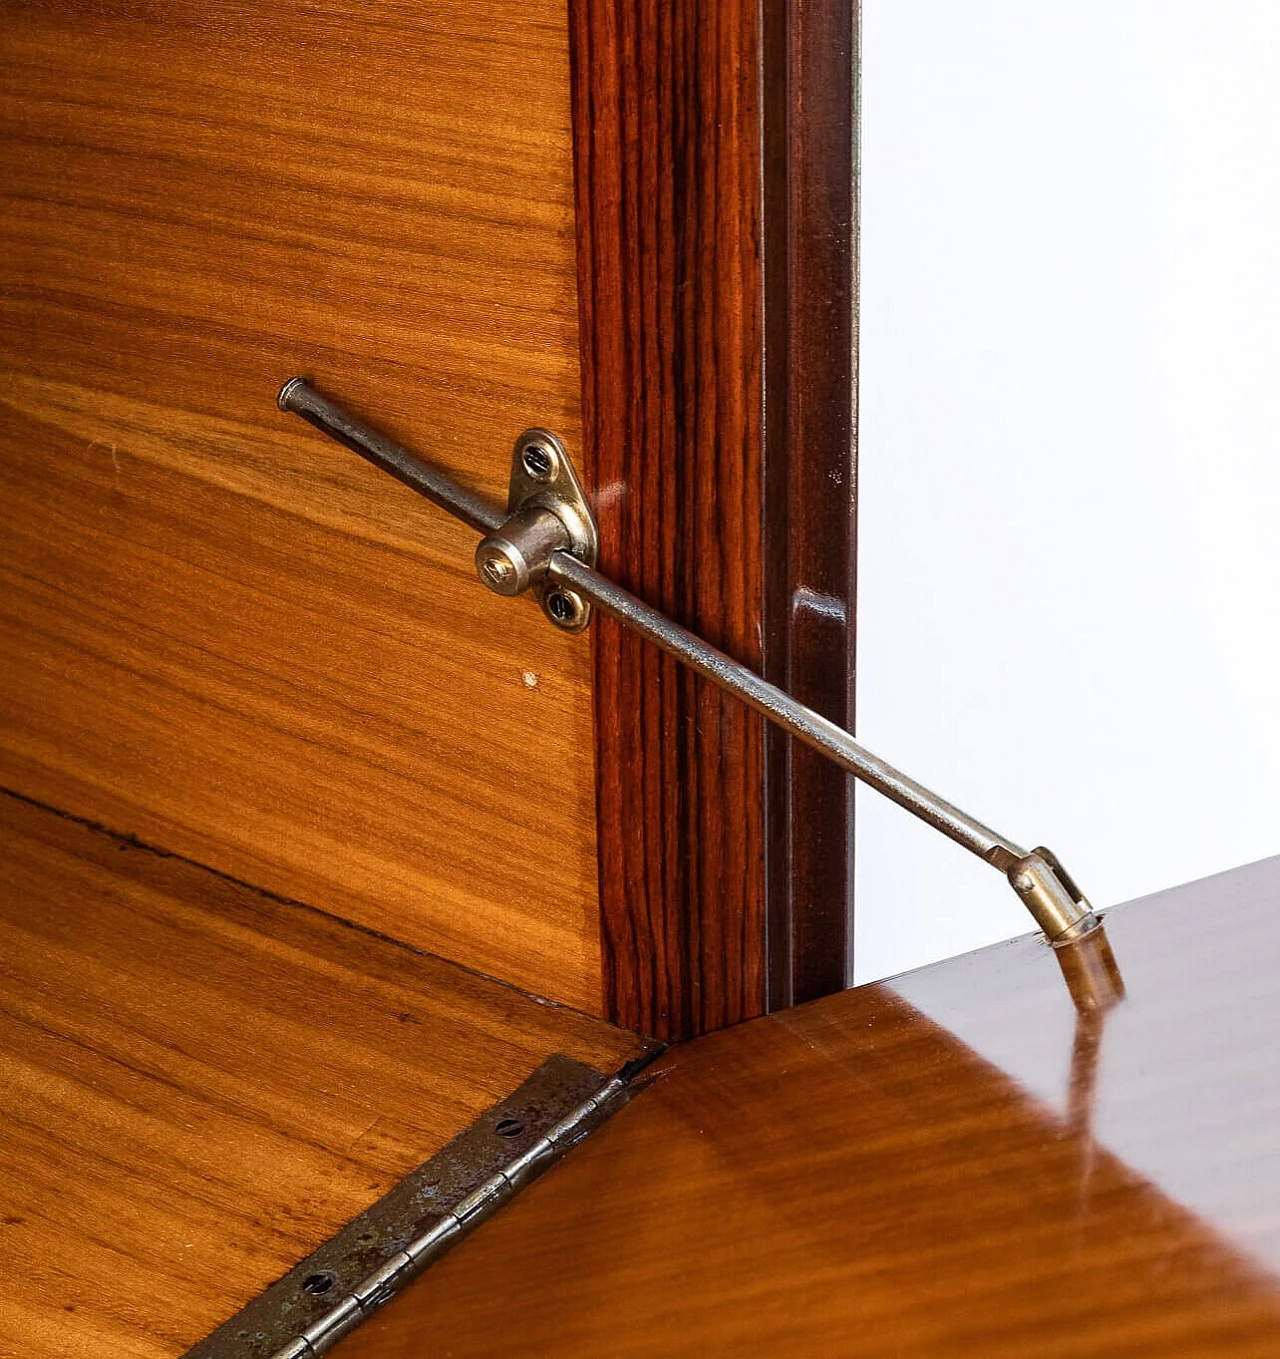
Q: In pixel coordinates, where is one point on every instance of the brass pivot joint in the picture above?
(1047, 890)
(547, 512)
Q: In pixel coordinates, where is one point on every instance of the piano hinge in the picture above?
(334, 1289)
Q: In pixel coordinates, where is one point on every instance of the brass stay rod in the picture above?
(1036, 876)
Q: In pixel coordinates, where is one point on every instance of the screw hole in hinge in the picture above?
(318, 1284)
(509, 1127)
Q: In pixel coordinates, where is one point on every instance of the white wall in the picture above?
(1069, 468)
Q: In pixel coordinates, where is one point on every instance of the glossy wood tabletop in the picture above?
(218, 630)
(958, 1162)
(202, 1084)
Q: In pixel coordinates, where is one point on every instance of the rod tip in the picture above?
(285, 398)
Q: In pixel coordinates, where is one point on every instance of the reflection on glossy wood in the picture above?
(904, 1169)
(202, 1084)
(219, 631)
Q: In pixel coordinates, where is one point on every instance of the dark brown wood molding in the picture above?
(671, 149)
(810, 83)
(666, 122)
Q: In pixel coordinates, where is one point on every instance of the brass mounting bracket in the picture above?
(547, 511)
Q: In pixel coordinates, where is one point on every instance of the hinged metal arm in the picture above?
(544, 544)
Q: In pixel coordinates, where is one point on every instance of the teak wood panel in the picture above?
(954, 1163)
(202, 1084)
(217, 630)
(715, 195)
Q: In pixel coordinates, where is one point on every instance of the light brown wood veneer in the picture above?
(217, 630)
(200, 1085)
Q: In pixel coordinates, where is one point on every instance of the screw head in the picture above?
(539, 462)
(499, 565)
(561, 607)
(497, 571)
(565, 608)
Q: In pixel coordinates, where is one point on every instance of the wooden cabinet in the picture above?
(313, 848)
(231, 640)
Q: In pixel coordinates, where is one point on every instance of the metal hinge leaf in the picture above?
(362, 1268)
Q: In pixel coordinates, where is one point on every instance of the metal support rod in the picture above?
(300, 397)
(786, 712)
(1040, 881)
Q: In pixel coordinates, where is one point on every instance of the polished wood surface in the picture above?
(957, 1162)
(202, 1083)
(715, 188)
(666, 130)
(218, 630)
(810, 74)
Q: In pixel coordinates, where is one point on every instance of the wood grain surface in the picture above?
(667, 153)
(810, 95)
(714, 152)
(218, 630)
(925, 1168)
(201, 1084)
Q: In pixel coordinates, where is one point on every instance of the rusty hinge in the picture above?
(336, 1287)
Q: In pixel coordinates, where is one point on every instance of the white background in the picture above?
(1069, 495)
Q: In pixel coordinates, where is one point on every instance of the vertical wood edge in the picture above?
(667, 168)
(810, 86)
(716, 276)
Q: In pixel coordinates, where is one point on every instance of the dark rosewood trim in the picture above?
(666, 119)
(810, 197)
(671, 196)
